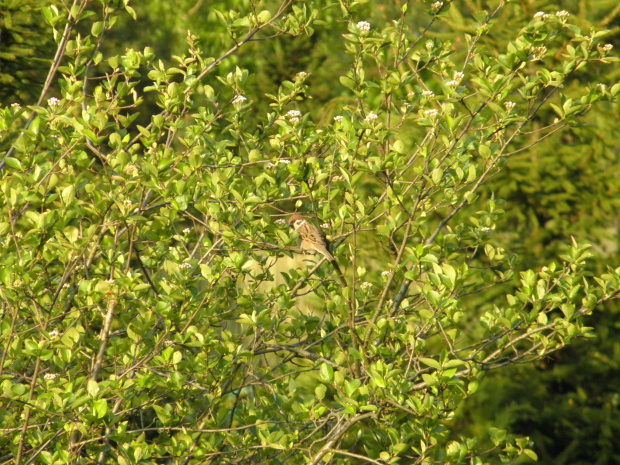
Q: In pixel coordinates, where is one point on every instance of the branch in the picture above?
(335, 434)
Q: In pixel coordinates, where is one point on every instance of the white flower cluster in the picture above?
(127, 203)
(53, 102)
(110, 281)
(454, 83)
(363, 26)
(54, 334)
(428, 94)
(301, 75)
(436, 6)
(325, 226)
(131, 168)
(273, 165)
(280, 221)
(387, 273)
(607, 47)
(185, 266)
(338, 119)
(539, 53)
(338, 178)
(431, 113)
(562, 15)
(430, 45)
(541, 15)
(365, 286)
(294, 116)
(16, 106)
(509, 105)
(238, 99)
(187, 231)
(50, 376)
(370, 117)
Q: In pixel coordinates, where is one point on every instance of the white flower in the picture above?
(370, 117)
(562, 15)
(131, 168)
(280, 221)
(110, 281)
(509, 105)
(54, 334)
(428, 94)
(185, 266)
(436, 6)
(453, 84)
(458, 76)
(325, 225)
(16, 105)
(365, 285)
(386, 273)
(338, 118)
(187, 231)
(294, 116)
(338, 178)
(601, 87)
(238, 99)
(539, 52)
(127, 203)
(301, 74)
(541, 15)
(411, 95)
(363, 26)
(607, 47)
(53, 101)
(485, 229)
(50, 376)
(431, 113)
(286, 162)
(270, 165)
(430, 45)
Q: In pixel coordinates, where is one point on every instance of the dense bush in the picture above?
(155, 308)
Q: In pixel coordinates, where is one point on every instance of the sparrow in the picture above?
(311, 240)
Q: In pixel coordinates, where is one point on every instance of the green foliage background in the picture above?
(564, 186)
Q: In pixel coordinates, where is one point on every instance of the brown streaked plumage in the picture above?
(311, 240)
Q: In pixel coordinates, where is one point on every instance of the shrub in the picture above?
(152, 311)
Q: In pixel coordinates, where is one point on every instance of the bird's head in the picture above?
(295, 221)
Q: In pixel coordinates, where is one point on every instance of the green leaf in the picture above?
(100, 407)
(68, 195)
(326, 372)
(431, 362)
(13, 163)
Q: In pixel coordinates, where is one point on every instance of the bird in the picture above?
(311, 240)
